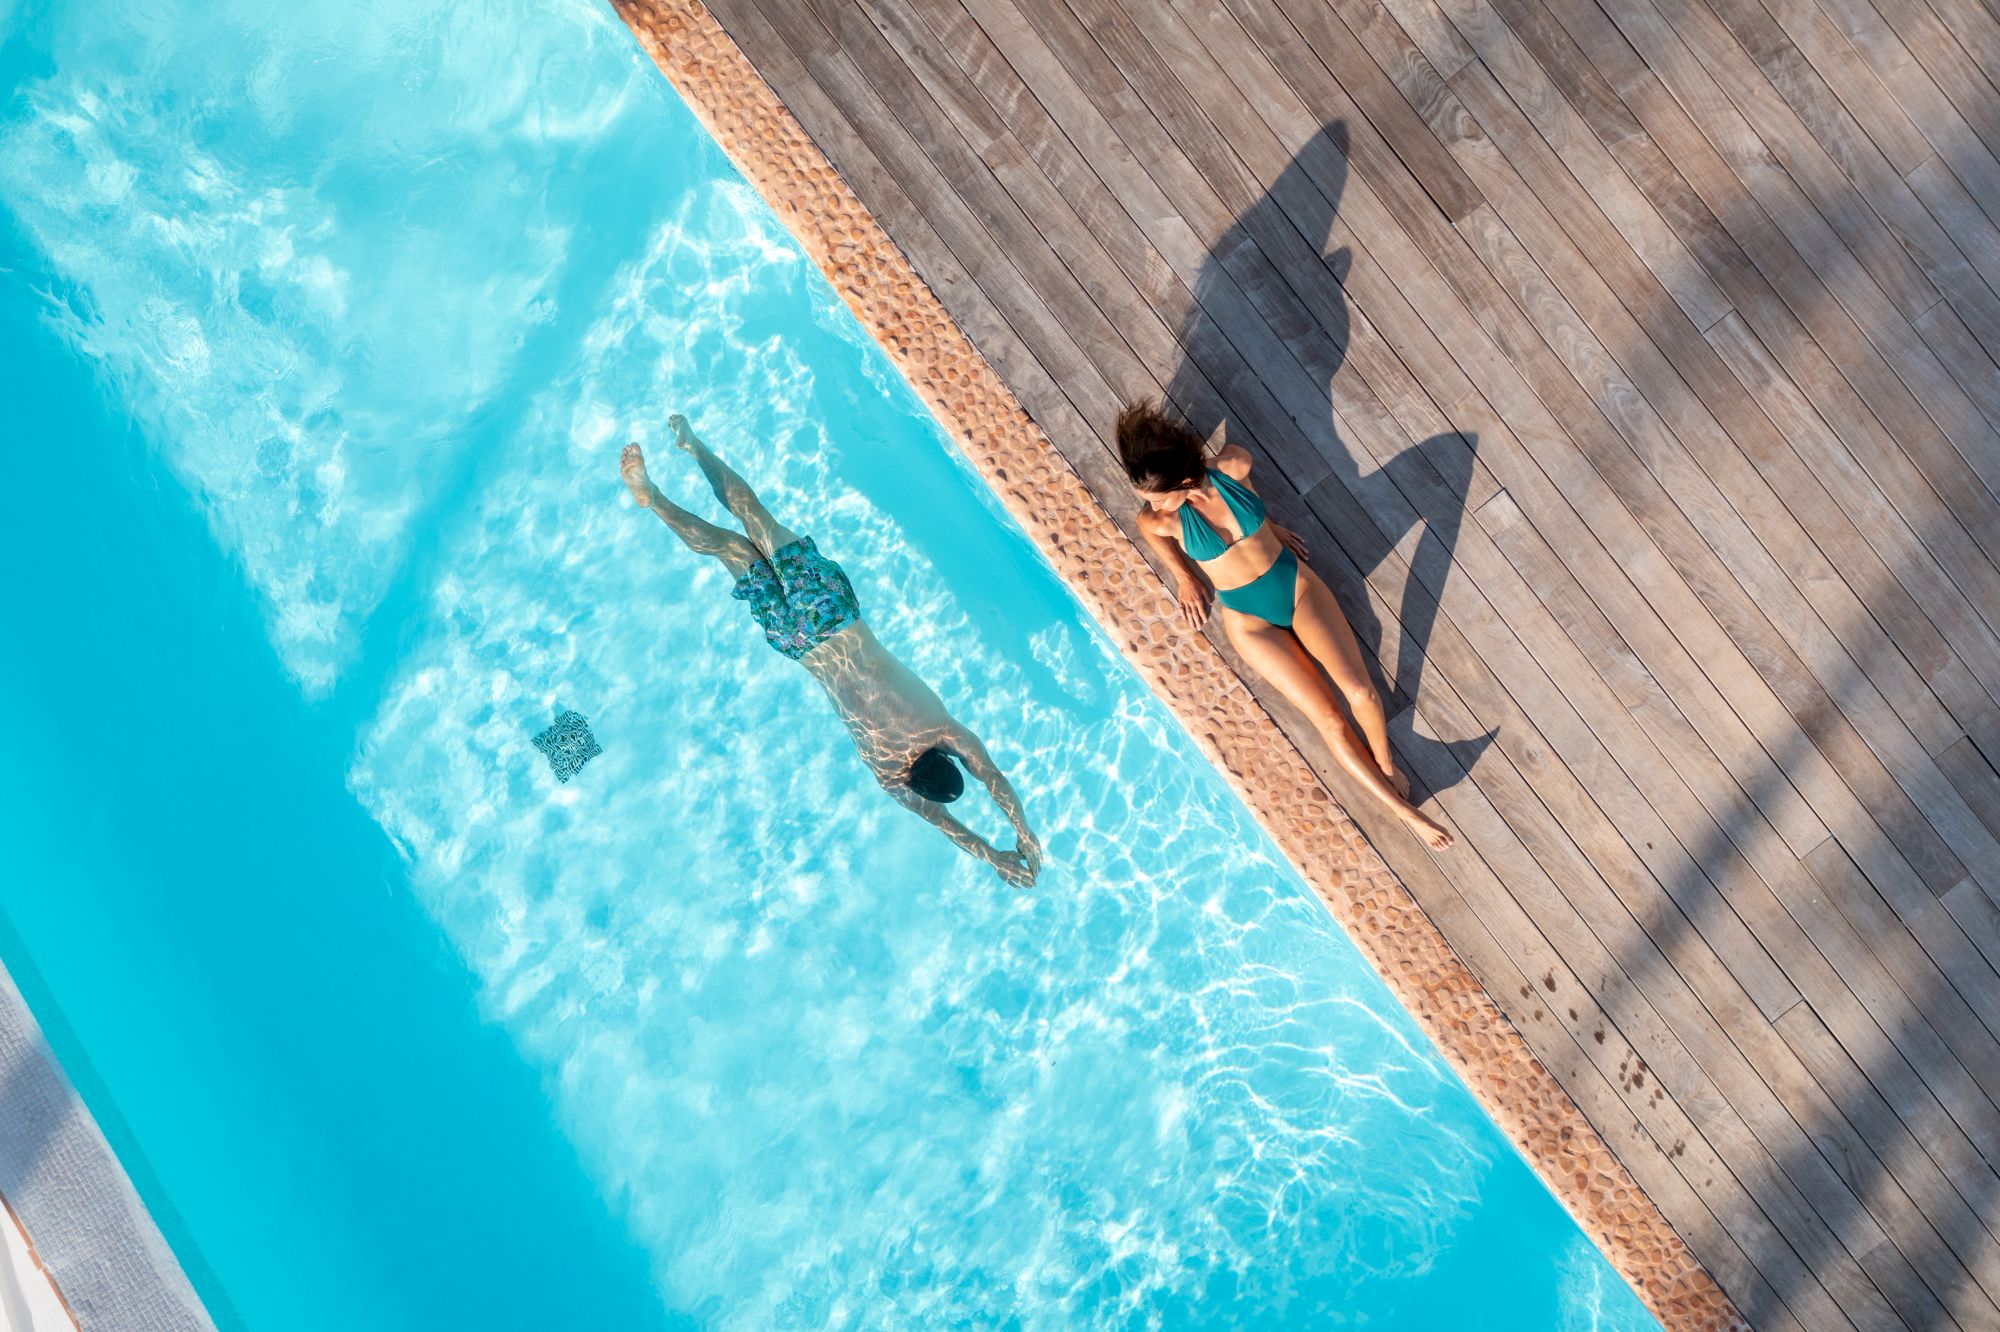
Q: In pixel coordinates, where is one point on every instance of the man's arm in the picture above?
(1013, 866)
(961, 836)
(980, 764)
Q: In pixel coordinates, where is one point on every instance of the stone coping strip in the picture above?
(85, 1224)
(35, 1257)
(1104, 567)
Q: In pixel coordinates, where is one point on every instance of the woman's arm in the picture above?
(1192, 591)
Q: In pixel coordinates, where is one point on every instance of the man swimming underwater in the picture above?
(806, 608)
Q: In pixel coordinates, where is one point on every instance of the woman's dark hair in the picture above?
(1160, 454)
(935, 777)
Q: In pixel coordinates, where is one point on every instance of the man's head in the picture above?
(935, 777)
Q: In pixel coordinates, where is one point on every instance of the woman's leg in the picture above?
(1278, 656)
(1320, 625)
(702, 537)
(770, 535)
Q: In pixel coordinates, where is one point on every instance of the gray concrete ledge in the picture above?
(74, 1201)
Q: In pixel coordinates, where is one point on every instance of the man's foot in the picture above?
(684, 439)
(632, 466)
(1433, 833)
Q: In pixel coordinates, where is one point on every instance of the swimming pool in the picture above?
(330, 325)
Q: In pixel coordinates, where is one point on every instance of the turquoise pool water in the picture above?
(323, 326)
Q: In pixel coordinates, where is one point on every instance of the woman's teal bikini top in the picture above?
(1272, 596)
(1200, 538)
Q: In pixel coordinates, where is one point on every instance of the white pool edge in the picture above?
(84, 1225)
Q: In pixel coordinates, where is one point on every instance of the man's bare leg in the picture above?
(767, 532)
(702, 537)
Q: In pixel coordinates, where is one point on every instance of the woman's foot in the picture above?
(632, 466)
(1398, 782)
(1433, 833)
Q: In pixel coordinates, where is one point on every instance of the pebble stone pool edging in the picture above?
(1100, 562)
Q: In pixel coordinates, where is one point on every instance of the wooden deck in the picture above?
(1629, 365)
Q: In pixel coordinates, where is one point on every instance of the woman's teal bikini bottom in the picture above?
(1271, 595)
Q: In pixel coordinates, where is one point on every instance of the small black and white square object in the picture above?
(568, 745)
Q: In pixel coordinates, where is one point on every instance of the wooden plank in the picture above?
(1896, 375)
(1828, 1292)
(1968, 357)
(1758, 113)
(1829, 991)
(1521, 71)
(953, 180)
(1858, 156)
(1956, 1217)
(1975, 779)
(1387, 107)
(1339, 525)
(1949, 1111)
(1432, 33)
(1506, 689)
(1821, 980)
(1640, 154)
(1910, 82)
(1753, 487)
(1840, 71)
(1904, 432)
(1977, 913)
(1560, 124)
(1908, 761)
(1840, 761)
(903, 162)
(1741, 1223)
(1924, 560)
(1769, 1177)
(1911, 1001)
(1939, 65)
(1946, 952)
(1977, 30)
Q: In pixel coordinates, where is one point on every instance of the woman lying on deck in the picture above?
(807, 610)
(1209, 526)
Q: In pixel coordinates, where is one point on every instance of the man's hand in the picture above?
(1015, 868)
(1028, 847)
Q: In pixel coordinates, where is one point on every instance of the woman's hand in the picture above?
(1293, 541)
(1193, 600)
